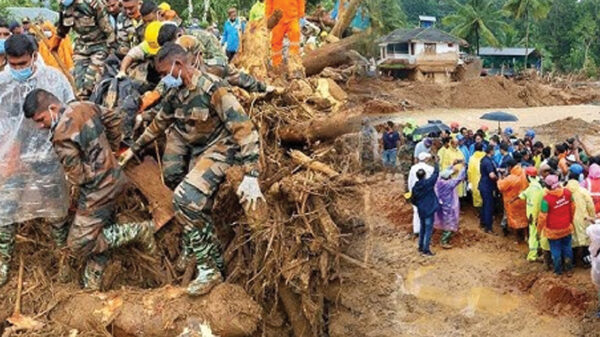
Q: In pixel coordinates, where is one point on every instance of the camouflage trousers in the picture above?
(193, 202)
(235, 77)
(87, 72)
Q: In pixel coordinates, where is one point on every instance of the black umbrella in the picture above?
(499, 116)
(432, 126)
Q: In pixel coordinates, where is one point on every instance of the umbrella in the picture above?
(432, 126)
(499, 116)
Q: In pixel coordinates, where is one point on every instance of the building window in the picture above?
(430, 48)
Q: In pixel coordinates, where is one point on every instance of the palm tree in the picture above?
(527, 9)
(476, 19)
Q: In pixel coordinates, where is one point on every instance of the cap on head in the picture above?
(423, 156)
(508, 131)
(576, 169)
(428, 142)
(454, 125)
(530, 133)
(151, 37)
(164, 6)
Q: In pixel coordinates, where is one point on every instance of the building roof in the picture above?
(422, 34)
(18, 13)
(490, 51)
(427, 18)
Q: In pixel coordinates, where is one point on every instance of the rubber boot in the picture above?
(92, 274)
(121, 235)
(59, 232)
(7, 247)
(209, 260)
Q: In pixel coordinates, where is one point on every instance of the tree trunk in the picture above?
(477, 39)
(526, 38)
(321, 129)
(331, 55)
(163, 312)
(206, 9)
(345, 16)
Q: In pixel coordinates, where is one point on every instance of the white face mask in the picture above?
(48, 34)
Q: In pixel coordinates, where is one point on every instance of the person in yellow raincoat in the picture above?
(533, 196)
(65, 49)
(585, 212)
(511, 187)
(451, 155)
(474, 175)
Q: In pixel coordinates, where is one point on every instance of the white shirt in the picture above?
(412, 175)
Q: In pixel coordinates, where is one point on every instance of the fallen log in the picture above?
(331, 55)
(147, 178)
(304, 160)
(321, 129)
(164, 312)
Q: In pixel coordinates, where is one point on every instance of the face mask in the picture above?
(2, 45)
(21, 75)
(48, 34)
(67, 3)
(171, 81)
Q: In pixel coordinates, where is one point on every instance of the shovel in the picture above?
(20, 322)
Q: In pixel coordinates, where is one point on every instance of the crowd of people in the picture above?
(73, 114)
(544, 194)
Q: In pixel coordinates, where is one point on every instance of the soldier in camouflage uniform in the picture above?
(130, 27)
(205, 119)
(84, 137)
(405, 156)
(96, 39)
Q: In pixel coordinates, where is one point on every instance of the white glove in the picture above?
(121, 75)
(249, 191)
(138, 121)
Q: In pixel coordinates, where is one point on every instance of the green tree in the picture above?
(386, 15)
(511, 38)
(526, 10)
(475, 20)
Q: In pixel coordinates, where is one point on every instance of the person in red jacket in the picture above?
(555, 222)
(291, 11)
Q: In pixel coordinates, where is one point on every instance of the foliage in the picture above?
(386, 15)
(476, 21)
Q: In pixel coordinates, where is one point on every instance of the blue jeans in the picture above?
(425, 233)
(561, 249)
(389, 158)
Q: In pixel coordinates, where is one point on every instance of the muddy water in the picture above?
(527, 116)
(470, 301)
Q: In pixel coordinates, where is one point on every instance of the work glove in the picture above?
(249, 191)
(121, 75)
(125, 157)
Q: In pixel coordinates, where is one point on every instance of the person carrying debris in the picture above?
(32, 182)
(556, 223)
(284, 19)
(84, 137)
(96, 39)
(130, 27)
(208, 123)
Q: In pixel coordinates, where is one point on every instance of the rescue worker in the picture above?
(289, 24)
(96, 39)
(32, 183)
(232, 34)
(149, 12)
(64, 51)
(533, 195)
(510, 187)
(257, 12)
(4, 34)
(556, 223)
(130, 30)
(84, 136)
(148, 48)
(209, 126)
(114, 9)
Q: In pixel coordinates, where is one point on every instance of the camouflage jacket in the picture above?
(129, 32)
(209, 47)
(84, 139)
(205, 113)
(90, 20)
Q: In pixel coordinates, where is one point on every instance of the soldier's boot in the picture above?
(7, 247)
(140, 232)
(207, 259)
(59, 232)
(184, 255)
(92, 274)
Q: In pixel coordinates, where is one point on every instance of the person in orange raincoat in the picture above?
(510, 187)
(292, 11)
(65, 49)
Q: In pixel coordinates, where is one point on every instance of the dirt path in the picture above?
(481, 287)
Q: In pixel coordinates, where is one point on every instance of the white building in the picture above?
(420, 53)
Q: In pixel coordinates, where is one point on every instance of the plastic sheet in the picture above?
(593, 232)
(32, 181)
